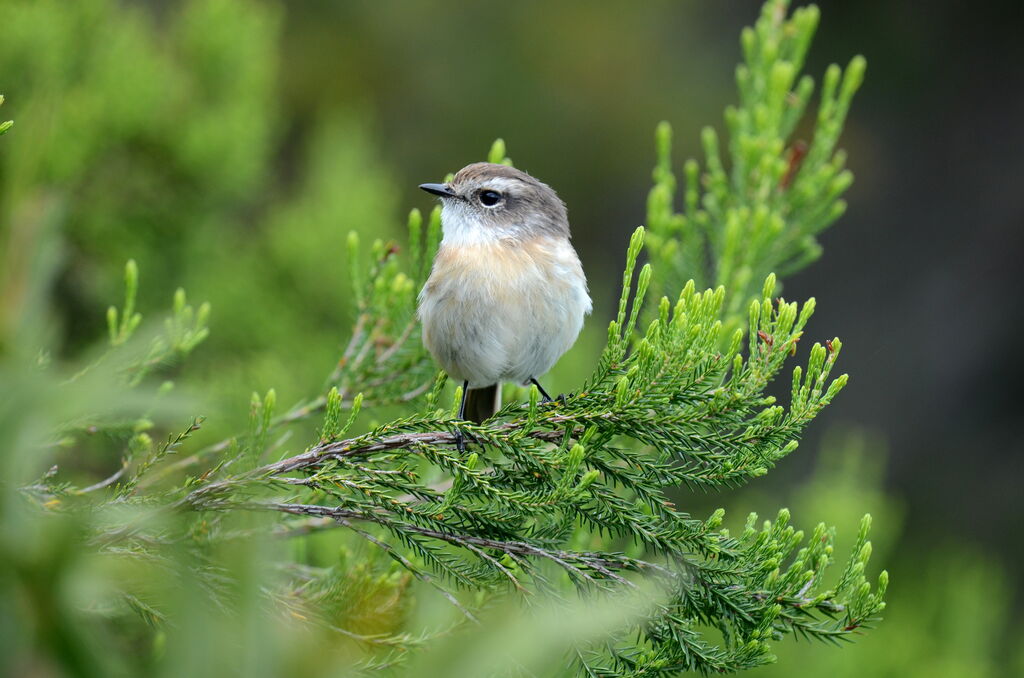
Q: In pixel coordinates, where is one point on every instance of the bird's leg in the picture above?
(460, 441)
(543, 393)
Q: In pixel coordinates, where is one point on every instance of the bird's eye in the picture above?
(489, 198)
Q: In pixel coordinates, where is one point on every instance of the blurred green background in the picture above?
(230, 145)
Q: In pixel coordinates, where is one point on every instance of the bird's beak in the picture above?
(439, 189)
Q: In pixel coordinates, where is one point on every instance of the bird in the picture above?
(506, 295)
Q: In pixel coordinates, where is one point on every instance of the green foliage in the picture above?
(156, 137)
(555, 502)
(761, 213)
(936, 593)
(4, 126)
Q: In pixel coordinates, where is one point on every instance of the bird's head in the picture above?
(485, 202)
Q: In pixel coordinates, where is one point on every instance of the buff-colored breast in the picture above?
(505, 310)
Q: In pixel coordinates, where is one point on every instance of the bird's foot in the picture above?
(460, 440)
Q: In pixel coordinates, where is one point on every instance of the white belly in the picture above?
(504, 311)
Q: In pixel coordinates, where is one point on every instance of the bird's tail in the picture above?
(482, 403)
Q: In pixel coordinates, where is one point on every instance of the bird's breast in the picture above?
(506, 273)
(485, 304)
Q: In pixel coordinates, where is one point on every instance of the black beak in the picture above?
(439, 189)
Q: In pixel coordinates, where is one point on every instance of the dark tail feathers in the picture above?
(482, 403)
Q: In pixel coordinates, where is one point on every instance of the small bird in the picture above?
(506, 296)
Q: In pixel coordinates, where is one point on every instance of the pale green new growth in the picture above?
(760, 212)
(4, 126)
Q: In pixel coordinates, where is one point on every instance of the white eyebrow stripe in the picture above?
(500, 183)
